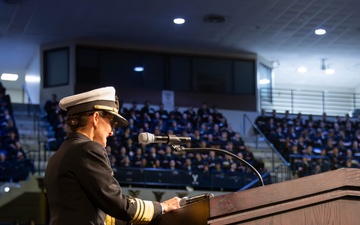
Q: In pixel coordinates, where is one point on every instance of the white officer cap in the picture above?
(98, 99)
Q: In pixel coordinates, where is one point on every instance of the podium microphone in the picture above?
(148, 138)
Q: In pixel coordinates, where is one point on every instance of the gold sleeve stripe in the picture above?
(109, 220)
(144, 212)
(149, 212)
(137, 205)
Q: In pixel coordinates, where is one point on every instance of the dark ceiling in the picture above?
(277, 30)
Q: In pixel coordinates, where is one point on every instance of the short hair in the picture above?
(77, 121)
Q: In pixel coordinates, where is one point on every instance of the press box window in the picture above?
(56, 67)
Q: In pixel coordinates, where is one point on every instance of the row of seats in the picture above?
(313, 145)
(14, 164)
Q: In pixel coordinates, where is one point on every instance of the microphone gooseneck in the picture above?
(175, 141)
(178, 148)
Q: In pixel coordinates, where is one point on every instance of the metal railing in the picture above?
(274, 150)
(35, 112)
(309, 101)
(280, 172)
(166, 178)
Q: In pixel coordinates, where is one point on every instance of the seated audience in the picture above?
(14, 164)
(314, 145)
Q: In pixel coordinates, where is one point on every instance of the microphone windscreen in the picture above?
(146, 138)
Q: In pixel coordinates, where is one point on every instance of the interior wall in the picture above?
(315, 87)
(33, 84)
(60, 91)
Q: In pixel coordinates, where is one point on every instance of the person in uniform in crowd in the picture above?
(50, 108)
(79, 180)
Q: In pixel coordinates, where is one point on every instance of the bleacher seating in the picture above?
(313, 145)
(14, 164)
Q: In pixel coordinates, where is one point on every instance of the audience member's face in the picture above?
(2, 157)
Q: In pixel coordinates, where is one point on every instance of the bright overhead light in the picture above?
(32, 79)
(138, 69)
(179, 20)
(329, 71)
(302, 69)
(9, 76)
(264, 81)
(320, 31)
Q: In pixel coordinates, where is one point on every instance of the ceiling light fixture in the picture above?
(302, 69)
(32, 79)
(329, 71)
(326, 67)
(264, 81)
(138, 69)
(179, 20)
(320, 31)
(9, 76)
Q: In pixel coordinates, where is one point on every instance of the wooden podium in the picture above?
(327, 198)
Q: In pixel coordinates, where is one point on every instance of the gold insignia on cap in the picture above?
(97, 99)
(107, 108)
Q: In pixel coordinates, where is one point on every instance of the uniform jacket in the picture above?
(81, 189)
